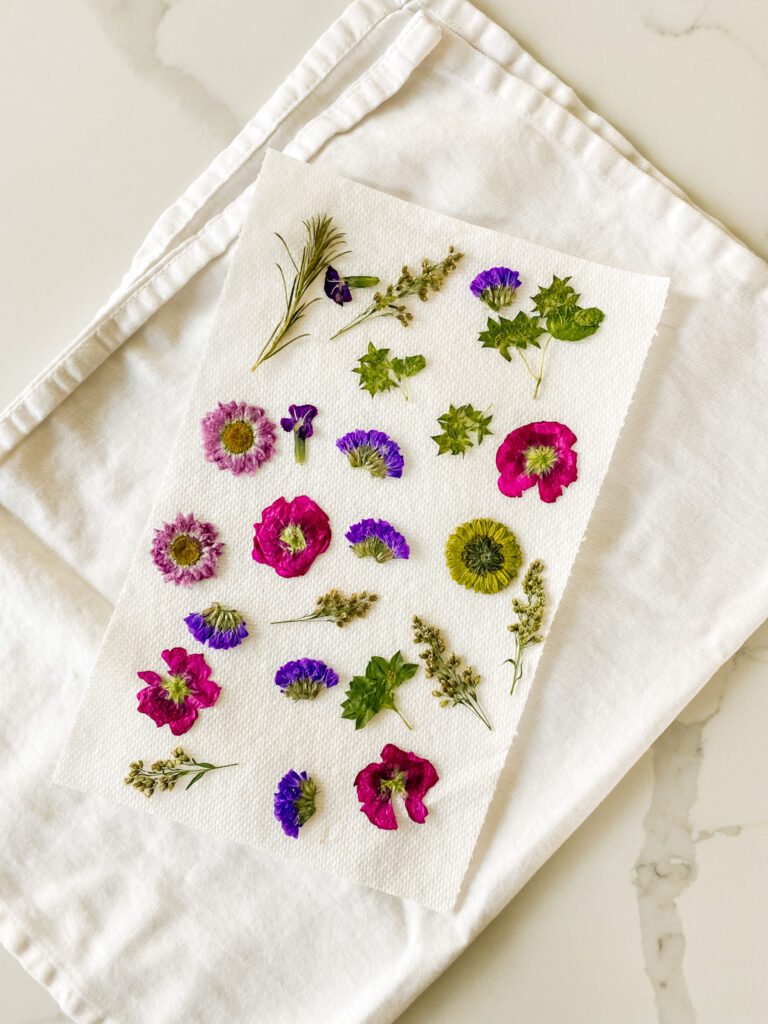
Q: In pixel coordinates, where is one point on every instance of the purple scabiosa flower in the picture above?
(174, 700)
(338, 288)
(217, 626)
(305, 678)
(496, 287)
(295, 801)
(238, 437)
(372, 450)
(376, 538)
(185, 551)
(299, 421)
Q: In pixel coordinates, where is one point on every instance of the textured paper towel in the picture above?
(588, 386)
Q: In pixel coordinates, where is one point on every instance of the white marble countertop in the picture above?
(657, 908)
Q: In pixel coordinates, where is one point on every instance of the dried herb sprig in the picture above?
(323, 243)
(391, 301)
(456, 685)
(165, 774)
(337, 607)
(530, 616)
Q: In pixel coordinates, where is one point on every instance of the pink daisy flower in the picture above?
(238, 437)
(291, 535)
(538, 453)
(175, 699)
(397, 774)
(185, 551)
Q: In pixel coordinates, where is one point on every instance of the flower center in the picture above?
(237, 436)
(303, 688)
(370, 458)
(482, 555)
(373, 547)
(185, 549)
(394, 785)
(293, 538)
(305, 805)
(222, 619)
(176, 688)
(539, 460)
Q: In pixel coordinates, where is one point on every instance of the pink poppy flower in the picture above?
(174, 700)
(291, 535)
(538, 453)
(398, 773)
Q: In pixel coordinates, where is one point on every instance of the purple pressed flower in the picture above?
(496, 287)
(175, 699)
(185, 550)
(299, 420)
(372, 450)
(295, 801)
(376, 538)
(238, 437)
(399, 773)
(337, 287)
(217, 626)
(305, 678)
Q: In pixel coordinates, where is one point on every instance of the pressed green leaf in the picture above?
(379, 373)
(194, 779)
(575, 324)
(409, 366)
(375, 691)
(521, 332)
(558, 296)
(463, 427)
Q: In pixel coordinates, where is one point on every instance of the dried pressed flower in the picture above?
(496, 287)
(456, 686)
(483, 555)
(537, 454)
(377, 539)
(238, 437)
(295, 801)
(305, 678)
(164, 775)
(174, 699)
(530, 616)
(372, 450)
(185, 551)
(217, 626)
(399, 773)
(290, 535)
(336, 607)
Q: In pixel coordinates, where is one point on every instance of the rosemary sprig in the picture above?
(530, 615)
(390, 302)
(165, 774)
(455, 687)
(336, 607)
(323, 244)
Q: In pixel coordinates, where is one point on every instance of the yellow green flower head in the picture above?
(483, 555)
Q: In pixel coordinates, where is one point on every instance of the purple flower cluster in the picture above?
(496, 287)
(372, 450)
(217, 626)
(294, 801)
(305, 678)
(376, 538)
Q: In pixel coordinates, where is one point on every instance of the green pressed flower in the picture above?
(483, 555)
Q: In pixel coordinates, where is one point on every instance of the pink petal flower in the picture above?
(291, 535)
(238, 437)
(175, 700)
(399, 772)
(537, 454)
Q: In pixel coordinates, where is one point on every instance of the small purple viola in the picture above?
(295, 801)
(338, 288)
(299, 421)
(305, 678)
(217, 626)
(378, 539)
(496, 287)
(372, 450)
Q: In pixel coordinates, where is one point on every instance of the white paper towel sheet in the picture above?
(587, 386)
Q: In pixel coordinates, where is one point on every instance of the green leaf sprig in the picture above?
(336, 607)
(456, 685)
(557, 315)
(375, 691)
(378, 372)
(530, 616)
(393, 301)
(459, 425)
(165, 774)
(323, 244)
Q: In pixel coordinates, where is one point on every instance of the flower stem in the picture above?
(474, 706)
(399, 712)
(541, 367)
(299, 448)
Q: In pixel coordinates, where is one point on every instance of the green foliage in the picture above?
(379, 373)
(459, 423)
(520, 333)
(375, 691)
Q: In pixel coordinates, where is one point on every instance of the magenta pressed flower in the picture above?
(398, 773)
(217, 626)
(291, 535)
(299, 423)
(295, 801)
(538, 453)
(185, 550)
(372, 450)
(238, 437)
(174, 699)
(496, 287)
(378, 539)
